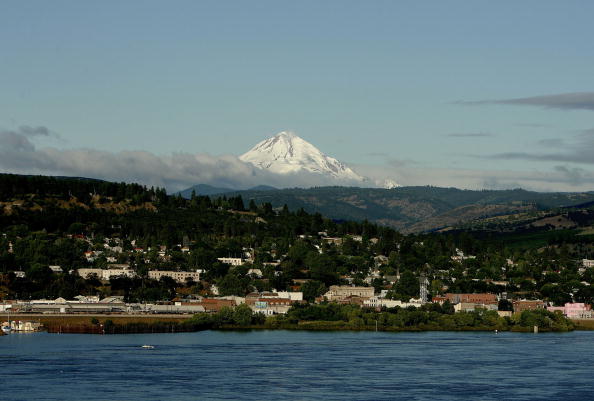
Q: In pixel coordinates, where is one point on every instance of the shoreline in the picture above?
(138, 324)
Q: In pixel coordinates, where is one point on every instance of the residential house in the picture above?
(574, 310)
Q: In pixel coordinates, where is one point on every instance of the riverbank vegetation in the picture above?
(431, 317)
(332, 316)
(326, 316)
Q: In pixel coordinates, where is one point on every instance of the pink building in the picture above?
(573, 310)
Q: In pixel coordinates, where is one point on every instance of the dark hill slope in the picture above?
(414, 209)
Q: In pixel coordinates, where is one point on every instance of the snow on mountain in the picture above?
(388, 183)
(287, 153)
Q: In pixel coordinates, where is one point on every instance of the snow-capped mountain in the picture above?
(286, 153)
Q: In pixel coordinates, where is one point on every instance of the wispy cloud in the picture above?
(19, 140)
(378, 154)
(563, 101)
(578, 149)
(574, 175)
(391, 161)
(470, 134)
(35, 131)
(533, 125)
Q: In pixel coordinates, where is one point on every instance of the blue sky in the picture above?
(421, 91)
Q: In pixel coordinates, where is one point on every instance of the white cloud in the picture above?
(177, 171)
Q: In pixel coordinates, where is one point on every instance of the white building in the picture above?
(255, 272)
(106, 274)
(375, 302)
(231, 261)
(270, 306)
(460, 256)
(109, 273)
(178, 276)
(87, 272)
(472, 306)
(340, 292)
(293, 296)
(56, 269)
(588, 262)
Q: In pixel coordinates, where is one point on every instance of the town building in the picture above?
(471, 306)
(574, 310)
(588, 262)
(109, 273)
(270, 303)
(106, 274)
(61, 305)
(176, 307)
(56, 269)
(232, 261)
(521, 305)
(257, 273)
(377, 302)
(333, 240)
(460, 256)
(216, 304)
(270, 306)
(179, 276)
(340, 292)
(86, 273)
(484, 298)
(296, 296)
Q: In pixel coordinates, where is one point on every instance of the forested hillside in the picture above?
(413, 209)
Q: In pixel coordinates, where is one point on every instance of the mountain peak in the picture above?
(286, 134)
(287, 153)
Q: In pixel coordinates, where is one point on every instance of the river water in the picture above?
(298, 365)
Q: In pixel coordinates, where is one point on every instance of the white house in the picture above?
(231, 261)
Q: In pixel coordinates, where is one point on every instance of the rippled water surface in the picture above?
(298, 365)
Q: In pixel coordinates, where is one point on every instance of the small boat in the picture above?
(148, 346)
(6, 326)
